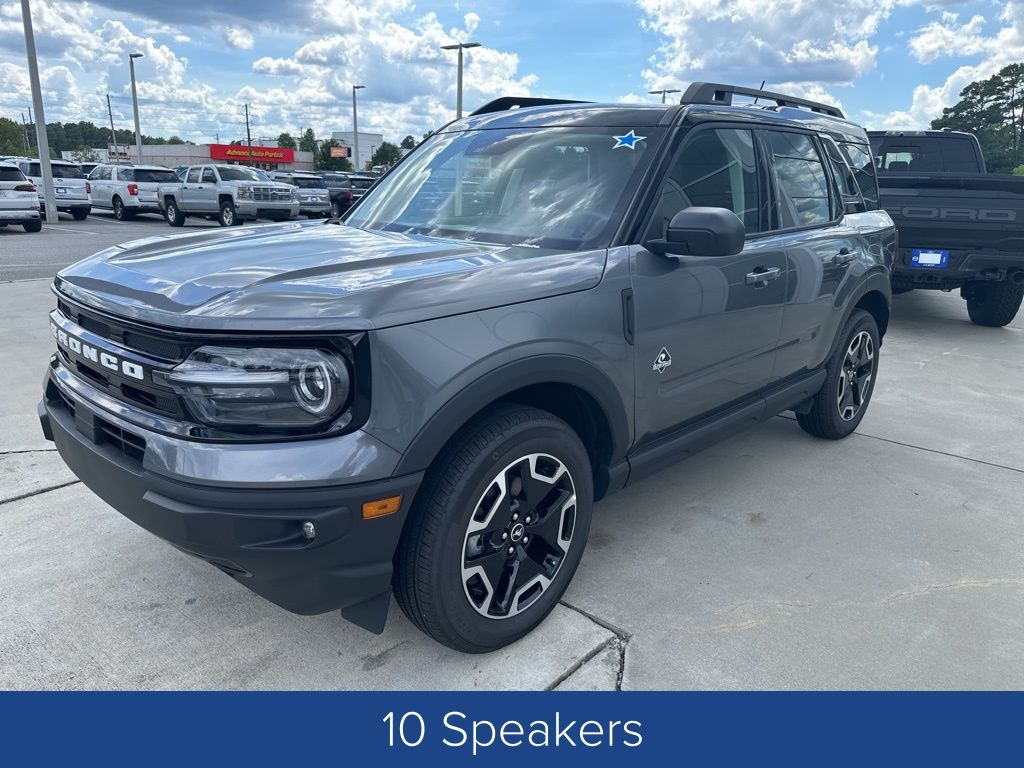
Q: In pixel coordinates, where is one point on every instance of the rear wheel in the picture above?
(497, 530)
(993, 304)
(336, 210)
(173, 214)
(121, 213)
(36, 225)
(80, 214)
(840, 404)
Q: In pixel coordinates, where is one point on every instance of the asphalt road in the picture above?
(892, 559)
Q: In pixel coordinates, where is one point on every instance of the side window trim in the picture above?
(776, 184)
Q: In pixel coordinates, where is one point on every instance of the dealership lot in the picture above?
(894, 559)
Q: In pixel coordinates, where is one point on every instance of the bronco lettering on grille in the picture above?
(89, 352)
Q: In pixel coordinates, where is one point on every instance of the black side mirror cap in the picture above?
(701, 231)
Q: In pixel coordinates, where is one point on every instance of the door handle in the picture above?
(762, 275)
(845, 256)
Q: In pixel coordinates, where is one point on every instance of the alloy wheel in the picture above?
(518, 535)
(855, 376)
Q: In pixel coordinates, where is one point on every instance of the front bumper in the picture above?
(259, 209)
(19, 216)
(251, 532)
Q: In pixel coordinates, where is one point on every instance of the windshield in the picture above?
(161, 177)
(237, 173)
(307, 183)
(59, 171)
(560, 188)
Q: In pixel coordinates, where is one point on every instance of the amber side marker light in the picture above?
(381, 507)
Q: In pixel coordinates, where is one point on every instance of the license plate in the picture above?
(929, 258)
(60, 190)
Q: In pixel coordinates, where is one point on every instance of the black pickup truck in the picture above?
(959, 227)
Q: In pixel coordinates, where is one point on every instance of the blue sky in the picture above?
(888, 63)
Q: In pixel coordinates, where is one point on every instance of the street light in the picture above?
(135, 106)
(664, 92)
(355, 127)
(458, 47)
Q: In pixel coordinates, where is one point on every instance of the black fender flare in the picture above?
(505, 379)
(877, 281)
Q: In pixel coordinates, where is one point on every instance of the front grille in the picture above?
(271, 195)
(152, 343)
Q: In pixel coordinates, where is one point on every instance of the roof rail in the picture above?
(515, 102)
(717, 93)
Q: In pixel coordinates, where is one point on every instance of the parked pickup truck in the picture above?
(230, 194)
(959, 227)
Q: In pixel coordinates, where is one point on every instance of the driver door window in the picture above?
(715, 168)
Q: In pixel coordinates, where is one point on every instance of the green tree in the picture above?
(12, 137)
(993, 110)
(324, 162)
(386, 154)
(408, 143)
(286, 141)
(308, 141)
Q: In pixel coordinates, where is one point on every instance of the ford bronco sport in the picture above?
(542, 303)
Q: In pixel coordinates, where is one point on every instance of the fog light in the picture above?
(309, 530)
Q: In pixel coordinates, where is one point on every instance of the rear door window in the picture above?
(803, 183)
(862, 163)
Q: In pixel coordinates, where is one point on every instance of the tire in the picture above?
(173, 214)
(80, 214)
(120, 212)
(839, 406)
(994, 304)
(36, 225)
(507, 452)
(336, 210)
(228, 217)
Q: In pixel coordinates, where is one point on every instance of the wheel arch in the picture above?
(572, 389)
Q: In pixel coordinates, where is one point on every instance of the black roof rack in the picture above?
(515, 102)
(717, 93)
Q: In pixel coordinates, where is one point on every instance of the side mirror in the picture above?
(699, 231)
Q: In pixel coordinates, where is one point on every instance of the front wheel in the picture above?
(496, 531)
(228, 216)
(993, 304)
(840, 404)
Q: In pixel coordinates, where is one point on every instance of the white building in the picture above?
(368, 143)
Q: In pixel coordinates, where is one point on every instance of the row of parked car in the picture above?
(230, 194)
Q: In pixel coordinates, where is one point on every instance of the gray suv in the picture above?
(541, 304)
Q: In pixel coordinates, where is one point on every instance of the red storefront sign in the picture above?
(240, 153)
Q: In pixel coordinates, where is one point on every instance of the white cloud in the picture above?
(947, 38)
(237, 37)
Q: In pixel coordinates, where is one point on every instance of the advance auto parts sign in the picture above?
(259, 154)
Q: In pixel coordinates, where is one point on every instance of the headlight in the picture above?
(244, 193)
(263, 388)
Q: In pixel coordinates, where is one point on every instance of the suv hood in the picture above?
(299, 276)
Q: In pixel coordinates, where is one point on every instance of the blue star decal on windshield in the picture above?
(627, 140)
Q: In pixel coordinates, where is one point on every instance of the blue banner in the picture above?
(533, 729)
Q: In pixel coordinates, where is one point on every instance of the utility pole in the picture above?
(248, 134)
(355, 127)
(50, 200)
(135, 106)
(113, 136)
(24, 125)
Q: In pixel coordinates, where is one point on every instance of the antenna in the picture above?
(760, 89)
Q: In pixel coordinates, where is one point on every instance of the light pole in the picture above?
(355, 127)
(664, 92)
(135, 106)
(458, 47)
(49, 198)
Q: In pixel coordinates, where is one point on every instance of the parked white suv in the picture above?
(69, 185)
(314, 197)
(19, 202)
(128, 190)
